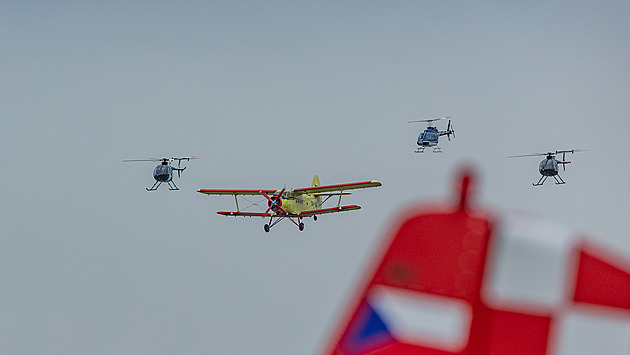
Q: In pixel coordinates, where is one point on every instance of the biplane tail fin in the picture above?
(318, 199)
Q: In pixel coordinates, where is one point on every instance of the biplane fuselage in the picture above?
(301, 203)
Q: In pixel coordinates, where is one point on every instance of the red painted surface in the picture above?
(326, 187)
(601, 282)
(438, 252)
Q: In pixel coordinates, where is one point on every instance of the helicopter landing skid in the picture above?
(435, 150)
(559, 180)
(155, 186)
(171, 186)
(543, 178)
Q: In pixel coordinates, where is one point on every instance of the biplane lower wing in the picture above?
(245, 214)
(330, 210)
(292, 215)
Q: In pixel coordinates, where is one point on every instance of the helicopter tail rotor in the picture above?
(179, 163)
(450, 130)
(564, 162)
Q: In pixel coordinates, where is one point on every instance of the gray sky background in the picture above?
(269, 94)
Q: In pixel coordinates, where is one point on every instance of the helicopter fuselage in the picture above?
(163, 173)
(429, 137)
(548, 167)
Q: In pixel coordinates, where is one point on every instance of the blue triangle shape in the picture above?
(373, 326)
(366, 332)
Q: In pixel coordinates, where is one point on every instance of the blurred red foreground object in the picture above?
(460, 281)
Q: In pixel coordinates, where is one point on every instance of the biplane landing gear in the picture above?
(314, 218)
(301, 226)
(266, 227)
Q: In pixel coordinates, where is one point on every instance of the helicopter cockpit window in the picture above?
(548, 164)
(429, 136)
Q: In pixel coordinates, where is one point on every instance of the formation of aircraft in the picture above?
(294, 204)
(300, 203)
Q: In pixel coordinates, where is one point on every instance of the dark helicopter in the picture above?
(550, 165)
(431, 135)
(164, 171)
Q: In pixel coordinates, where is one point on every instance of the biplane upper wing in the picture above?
(330, 210)
(337, 187)
(236, 192)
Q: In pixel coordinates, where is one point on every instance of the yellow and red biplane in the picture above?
(296, 203)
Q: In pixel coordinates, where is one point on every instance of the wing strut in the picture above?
(236, 201)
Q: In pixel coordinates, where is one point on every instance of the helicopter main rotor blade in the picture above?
(150, 159)
(186, 158)
(570, 151)
(179, 160)
(430, 119)
(563, 152)
(528, 155)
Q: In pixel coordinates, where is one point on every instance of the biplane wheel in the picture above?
(266, 227)
(301, 226)
(314, 218)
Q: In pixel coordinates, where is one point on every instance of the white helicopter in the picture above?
(164, 171)
(550, 165)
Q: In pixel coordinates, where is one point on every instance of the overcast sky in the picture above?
(268, 94)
